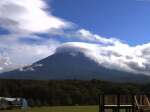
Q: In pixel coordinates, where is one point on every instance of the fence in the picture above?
(124, 103)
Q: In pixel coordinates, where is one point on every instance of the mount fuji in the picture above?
(69, 63)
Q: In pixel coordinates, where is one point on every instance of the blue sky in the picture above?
(114, 33)
(128, 20)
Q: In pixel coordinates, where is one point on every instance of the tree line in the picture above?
(66, 92)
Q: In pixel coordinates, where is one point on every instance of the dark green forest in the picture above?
(66, 92)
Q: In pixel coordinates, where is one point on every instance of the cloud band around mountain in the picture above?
(119, 57)
(27, 18)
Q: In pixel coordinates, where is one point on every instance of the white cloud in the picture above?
(112, 53)
(5, 63)
(84, 34)
(28, 16)
(122, 57)
(18, 54)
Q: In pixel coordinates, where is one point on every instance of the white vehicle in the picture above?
(9, 103)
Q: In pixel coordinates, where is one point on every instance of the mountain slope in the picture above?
(71, 64)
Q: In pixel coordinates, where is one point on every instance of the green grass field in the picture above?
(60, 109)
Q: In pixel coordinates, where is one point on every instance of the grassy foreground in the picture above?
(60, 109)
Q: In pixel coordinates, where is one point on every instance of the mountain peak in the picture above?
(69, 62)
(71, 48)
